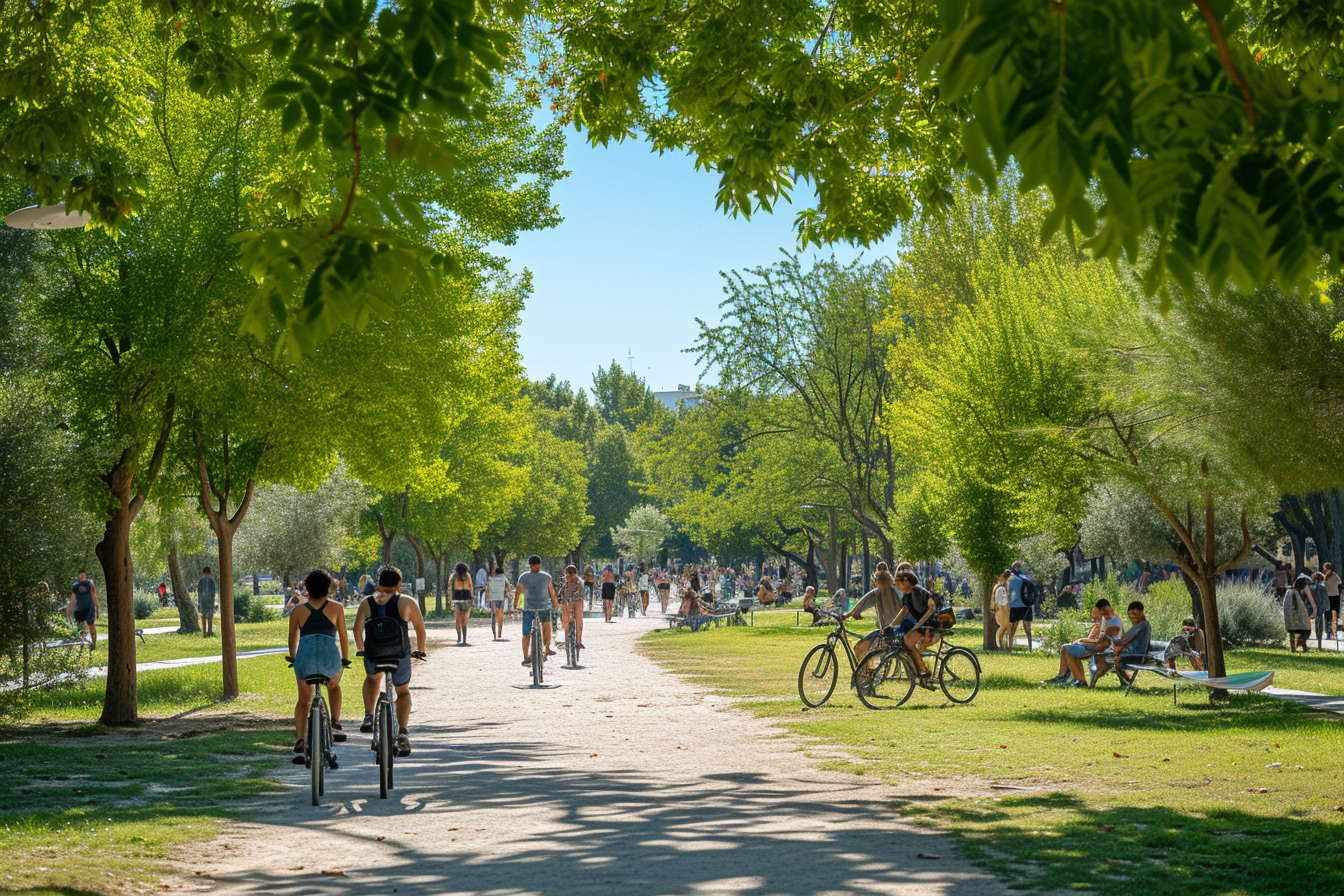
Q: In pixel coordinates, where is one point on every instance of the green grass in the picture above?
(100, 813)
(1127, 786)
(171, 646)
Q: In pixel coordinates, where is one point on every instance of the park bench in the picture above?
(1242, 681)
(700, 621)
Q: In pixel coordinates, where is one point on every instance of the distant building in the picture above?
(681, 396)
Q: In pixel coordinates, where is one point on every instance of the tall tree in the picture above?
(624, 399)
(1211, 125)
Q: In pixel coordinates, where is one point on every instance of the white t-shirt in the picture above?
(1113, 628)
(644, 582)
(497, 587)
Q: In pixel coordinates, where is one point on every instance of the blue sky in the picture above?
(635, 261)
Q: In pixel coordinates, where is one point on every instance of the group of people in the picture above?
(1312, 601)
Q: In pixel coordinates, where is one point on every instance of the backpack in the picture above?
(385, 640)
(1029, 593)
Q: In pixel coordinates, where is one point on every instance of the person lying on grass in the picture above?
(1133, 645)
(1073, 658)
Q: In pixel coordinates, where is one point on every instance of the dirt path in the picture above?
(624, 780)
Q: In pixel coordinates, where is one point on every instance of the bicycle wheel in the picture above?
(536, 653)
(315, 762)
(572, 642)
(959, 675)
(886, 679)
(816, 676)
(384, 749)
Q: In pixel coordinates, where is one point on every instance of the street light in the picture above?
(46, 217)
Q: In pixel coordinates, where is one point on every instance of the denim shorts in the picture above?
(317, 655)
(1081, 651)
(539, 615)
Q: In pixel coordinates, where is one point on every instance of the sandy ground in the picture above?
(623, 780)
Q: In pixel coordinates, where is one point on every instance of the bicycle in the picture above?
(572, 638)
(892, 675)
(386, 728)
(318, 732)
(817, 675)
(536, 653)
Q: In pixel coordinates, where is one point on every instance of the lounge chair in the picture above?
(1242, 681)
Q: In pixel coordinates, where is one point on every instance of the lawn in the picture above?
(88, 808)
(1131, 787)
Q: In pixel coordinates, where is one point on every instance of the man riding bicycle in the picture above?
(536, 594)
(388, 600)
(571, 603)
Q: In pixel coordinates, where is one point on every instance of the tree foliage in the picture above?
(643, 533)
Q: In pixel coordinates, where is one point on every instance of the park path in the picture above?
(624, 780)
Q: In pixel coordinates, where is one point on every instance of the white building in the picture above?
(682, 395)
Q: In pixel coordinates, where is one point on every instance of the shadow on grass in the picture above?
(1055, 840)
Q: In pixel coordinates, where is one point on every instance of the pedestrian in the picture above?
(1322, 602)
(461, 590)
(1298, 608)
(497, 587)
(82, 608)
(1332, 597)
(163, 594)
(1021, 601)
(1000, 602)
(481, 577)
(205, 602)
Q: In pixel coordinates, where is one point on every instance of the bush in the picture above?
(1069, 626)
(242, 605)
(259, 612)
(145, 606)
(1166, 604)
(1249, 615)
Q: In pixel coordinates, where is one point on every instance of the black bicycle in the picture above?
(819, 671)
(537, 653)
(572, 645)
(386, 729)
(891, 676)
(319, 749)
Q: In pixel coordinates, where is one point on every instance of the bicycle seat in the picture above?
(386, 666)
(316, 679)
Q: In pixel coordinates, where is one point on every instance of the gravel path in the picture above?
(623, 780)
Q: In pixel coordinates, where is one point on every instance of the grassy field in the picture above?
(1235, 798)
(86, 808)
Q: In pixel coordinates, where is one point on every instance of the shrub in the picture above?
(242, 605)
(1166, 604)
(145, 606)
(1249, 615)
(1069, 626)
(259, 612)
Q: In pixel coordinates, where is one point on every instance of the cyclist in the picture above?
(318, 644)
(461, 586)
(608, 590)
(886, 601)
(919, 605)
(387, 600)
(571, 603)
(83, 606)
(497, 590)
(536, 592)
(589, 580)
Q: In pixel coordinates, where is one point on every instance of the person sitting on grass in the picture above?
(1133, 645)
(810, 605)
(1188, 643)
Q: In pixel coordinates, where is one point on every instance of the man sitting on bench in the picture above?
(1132, 646)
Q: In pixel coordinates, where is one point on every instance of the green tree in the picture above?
(643, 534)
(613, 490)
(1212, 125)
(167, 529)
(289, 530)
(550, 512)
(623, 398)
(350, 83)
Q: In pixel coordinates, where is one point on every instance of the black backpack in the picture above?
(385, 639)
(1029, 593)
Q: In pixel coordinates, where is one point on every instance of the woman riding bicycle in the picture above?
(317, 642)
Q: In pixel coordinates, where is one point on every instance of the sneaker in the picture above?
(366, 726)
(300, 746)
(1058, 679)
(300, 752)
(373, 745)
(337, 733)
(527, 662)
(403, 745)
(550, 653)
(1079, 684)
(581, 647)
(331, 761)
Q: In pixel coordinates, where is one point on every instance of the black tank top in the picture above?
(608, 590)
(461, 593)
(317, 622)
(389, 609)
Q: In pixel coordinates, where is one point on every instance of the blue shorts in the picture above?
(400, 678)
(85, 615)
(539, 615)
(907, 625)
(317, 655)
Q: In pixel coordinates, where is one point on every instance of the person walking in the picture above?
(1321, 617)
(497, 588)
(1020, 610)
(481, 577)
(608, 590)
(1000, 603)
(461, 589)
(205, 602)
(1298, 608)
(1332, 597)
(83, 606)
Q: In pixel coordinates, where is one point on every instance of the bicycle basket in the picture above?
(944, 619)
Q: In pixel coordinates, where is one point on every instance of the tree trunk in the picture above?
(833, 572)
(867, 564)
(188, 620)
(990, 640)
(225, 526)
(1213, 631)
(1196, 601)
(114, 555)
